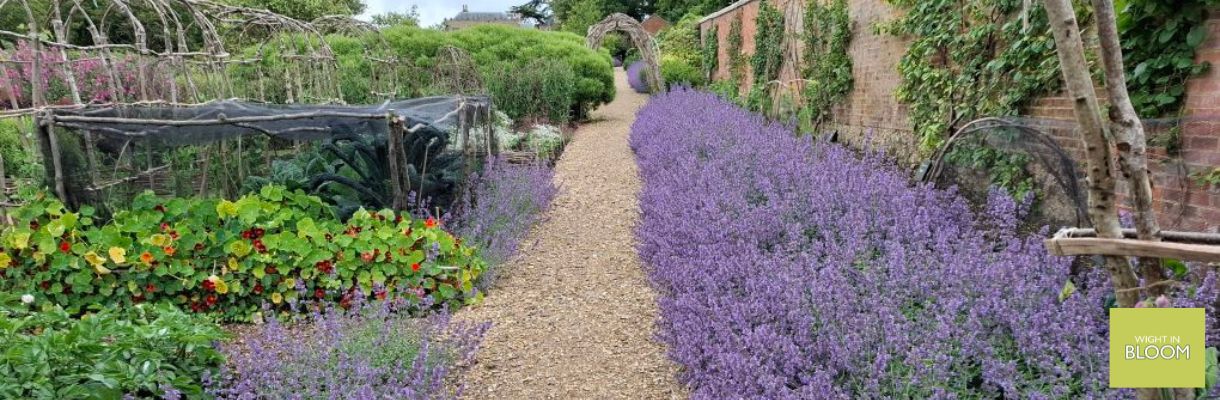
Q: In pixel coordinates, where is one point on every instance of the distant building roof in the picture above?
(654, 24)
(483, 16)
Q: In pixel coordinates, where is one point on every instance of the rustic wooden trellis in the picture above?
(647, 45)
(190, 53)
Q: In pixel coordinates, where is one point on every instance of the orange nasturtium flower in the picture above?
(146, 258)
(169, 250)
(430, 223)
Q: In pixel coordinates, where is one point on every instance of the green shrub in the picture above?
(538, 90)
(677, 72)
(20, 156)
(493, 48)
(229, 258)
(145, 352)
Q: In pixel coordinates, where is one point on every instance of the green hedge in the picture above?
(494, 48)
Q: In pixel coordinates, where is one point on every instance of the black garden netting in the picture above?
(104, 155)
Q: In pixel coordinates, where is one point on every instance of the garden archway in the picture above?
(639, 37)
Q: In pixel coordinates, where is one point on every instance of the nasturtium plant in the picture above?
(230, 258)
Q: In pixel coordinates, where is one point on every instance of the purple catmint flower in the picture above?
(635, 77)
(504, 202)
(366, 352)
(790, 268)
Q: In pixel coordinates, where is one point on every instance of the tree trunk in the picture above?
(1130, 141)
(1102, 211)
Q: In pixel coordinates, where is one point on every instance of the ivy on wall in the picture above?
(768, 43)
(828, 66)
(969, 59)
(768, 57)
(709, 54)
(1159, 39)
(737, 60)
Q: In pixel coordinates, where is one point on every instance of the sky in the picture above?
(432, 12)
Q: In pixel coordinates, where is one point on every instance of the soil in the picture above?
(573, 315)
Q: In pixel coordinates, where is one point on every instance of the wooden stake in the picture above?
(394, 148)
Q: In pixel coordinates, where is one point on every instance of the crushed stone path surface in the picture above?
(573, 316)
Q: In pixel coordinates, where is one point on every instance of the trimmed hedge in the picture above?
(494, 49)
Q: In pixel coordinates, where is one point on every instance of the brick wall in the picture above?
(872, 117)
(1181, 202)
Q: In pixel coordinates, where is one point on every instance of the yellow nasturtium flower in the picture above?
(277, 298)
(221, 286)
(160, 240)
(5, 260)
(94, 259)
(118, 255)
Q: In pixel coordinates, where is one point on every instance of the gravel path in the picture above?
(573, 315)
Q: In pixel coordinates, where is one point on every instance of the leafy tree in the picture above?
(537, 10)
(305, 10)
(394, 18)
(676, 9)
(577, 15)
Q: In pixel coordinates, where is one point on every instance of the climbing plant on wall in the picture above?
(1159, 39)
(827, 69)
(709, 54)
(768, 43)
(970, 58)
(767, 58)
(737, 60)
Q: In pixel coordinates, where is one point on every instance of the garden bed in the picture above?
(795, 269)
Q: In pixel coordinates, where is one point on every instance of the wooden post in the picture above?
(394, 148)
(1102, 211)
(47, 130)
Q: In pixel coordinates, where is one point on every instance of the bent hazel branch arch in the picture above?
(643, 41)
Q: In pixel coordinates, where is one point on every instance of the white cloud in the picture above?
(432, 12)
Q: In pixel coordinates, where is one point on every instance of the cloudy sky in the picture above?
(432, 12)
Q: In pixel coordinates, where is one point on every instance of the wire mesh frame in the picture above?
(296, 127)
(183, 64)
(1054, 159)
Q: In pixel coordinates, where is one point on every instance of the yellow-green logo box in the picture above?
(1157, 347)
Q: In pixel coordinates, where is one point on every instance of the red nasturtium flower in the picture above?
(64, 246)
(271, 269)
(367, 256)
(209, 285)
(380, 294)
(319, 293)
(431, 223)
(199, 246)
(150, 288)
(325, 266)
(211, 300)
(258, 288)
(415, 267)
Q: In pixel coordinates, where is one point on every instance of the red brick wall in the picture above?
(872, 116)
(1181, 202)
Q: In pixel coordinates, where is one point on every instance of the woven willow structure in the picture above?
(194, 97)
(647, 45)
(169, 52)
